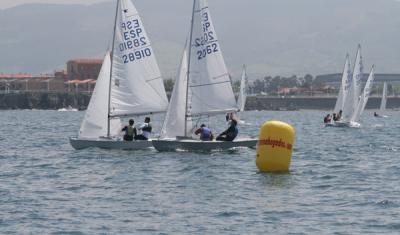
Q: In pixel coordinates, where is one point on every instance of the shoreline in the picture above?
(54, 101)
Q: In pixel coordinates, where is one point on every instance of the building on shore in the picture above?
(10, 83)
(80, 76)
(83, 69)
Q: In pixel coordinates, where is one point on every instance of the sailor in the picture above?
(339, 115)
(130, 131)
(376, 115)
(205, 133)
(146, 130)
(334, 117)
(230, 133)
(327, 118)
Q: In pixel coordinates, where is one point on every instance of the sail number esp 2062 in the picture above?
(134, 45)
(206, 44)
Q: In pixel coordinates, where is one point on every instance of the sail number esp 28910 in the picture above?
(207, 43)
(134, 45)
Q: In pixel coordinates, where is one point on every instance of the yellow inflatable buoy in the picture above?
(275, 147)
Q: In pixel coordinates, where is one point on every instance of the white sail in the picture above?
(94, 124)
(344, 87)
(243, 91)
(364, 97)
(384, 99)
(136, 85)
(174, 123)
(209, 81)
(353, 95)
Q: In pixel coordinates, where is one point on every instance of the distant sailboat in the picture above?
(352, 98)
(382, 108)
(129, 84)
(353, 94)
(203, 88)
(243, 90)
(354, 122)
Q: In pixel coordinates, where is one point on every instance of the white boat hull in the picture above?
(110, 144)
(343, 124)
(197, 145)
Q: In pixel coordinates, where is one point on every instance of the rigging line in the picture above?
(210, 84)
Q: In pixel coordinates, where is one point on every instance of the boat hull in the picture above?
(110, 144)
(197, 145)
(343, 124)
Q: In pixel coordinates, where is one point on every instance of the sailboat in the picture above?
(203, 88)
(353, 93)
(243, 90)
(354, 121)
(129, 84)
(382, 108)
(343, 91)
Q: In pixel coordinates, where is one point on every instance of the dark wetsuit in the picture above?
(230, 134)
(146, 131)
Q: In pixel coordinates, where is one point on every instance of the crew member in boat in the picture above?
(146, 129)
(205, 133)
(339, 115)
(130, 131)
(327, 118)
(230, 133)
(334, 117)
(376, 115)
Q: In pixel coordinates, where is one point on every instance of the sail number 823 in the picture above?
(137, 55)
(212, 48)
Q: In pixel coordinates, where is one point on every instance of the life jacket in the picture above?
(205, 133)
(130, 130)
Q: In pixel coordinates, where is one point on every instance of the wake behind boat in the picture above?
(68, 109)
(129, 84)
(203, 88)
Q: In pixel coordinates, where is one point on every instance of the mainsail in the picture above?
(94, 124)
(209, 80)
(243, 90)
(136, 83)
(344, 87)
(364, 97)
(353, 95)
(129, 82)
(384, 99)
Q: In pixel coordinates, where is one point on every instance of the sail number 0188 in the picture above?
(207, 50)
(137, 55)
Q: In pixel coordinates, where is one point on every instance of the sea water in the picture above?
(342, 181)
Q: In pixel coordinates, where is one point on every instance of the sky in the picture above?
(273, 37)
(12, 3)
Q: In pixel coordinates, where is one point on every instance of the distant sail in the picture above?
(364, 97)
(353, 96)
(382, 108)
(243, 90)
(344, 87)
(137, 86)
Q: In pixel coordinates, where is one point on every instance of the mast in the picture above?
(188, 65)
(111, 70)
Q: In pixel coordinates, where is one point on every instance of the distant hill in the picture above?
(272, 36)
